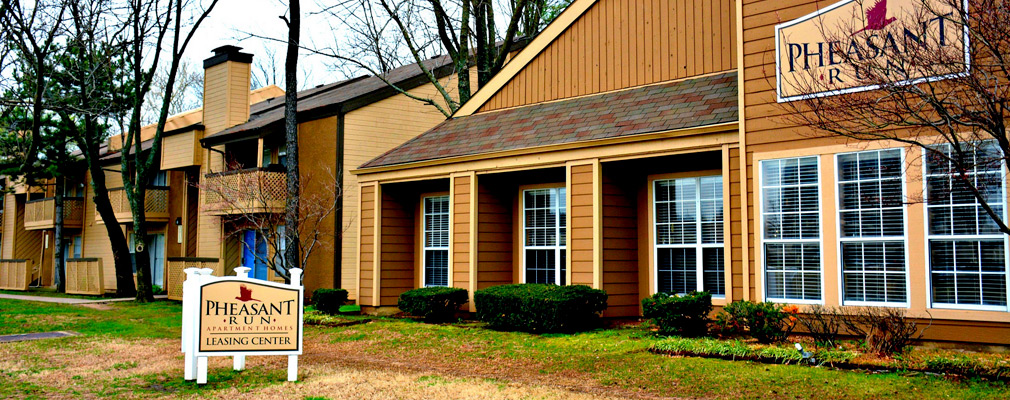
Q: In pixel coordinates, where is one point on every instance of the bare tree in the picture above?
(248, 198)
(264, 69)
(188, 93)
(936, 76)
(291, 205)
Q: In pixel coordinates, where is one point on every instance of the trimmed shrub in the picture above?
(767, 322)
(434, 304)
(679, 315)
(532, 307)
(328, 301)
(887, 330)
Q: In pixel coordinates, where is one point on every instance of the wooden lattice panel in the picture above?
(176, 275)
(15, 274)
(245, 192)
(85, 276)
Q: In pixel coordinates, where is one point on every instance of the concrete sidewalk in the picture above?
(67, 300)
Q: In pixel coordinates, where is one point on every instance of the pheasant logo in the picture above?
(245, 294)
(876, 17)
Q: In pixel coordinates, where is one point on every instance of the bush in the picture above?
(679, 315)
(767, 322)
(532, 307)
(824, 324)
(328, 301)
(435, 304)
(887, 331)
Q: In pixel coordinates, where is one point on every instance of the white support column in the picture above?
(187, 322)
(238, 362)
(296, 280)
(204, 276)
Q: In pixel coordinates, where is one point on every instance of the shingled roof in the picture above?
(668, 106)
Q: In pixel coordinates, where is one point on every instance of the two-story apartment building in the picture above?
(640, 147)
(237, 133)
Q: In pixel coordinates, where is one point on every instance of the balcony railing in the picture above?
(245, 191)
(155, 205)
(175, 272)
(41, 213)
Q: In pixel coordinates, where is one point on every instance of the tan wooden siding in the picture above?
(620, 247)
(461, 232)
(10, 223)
(735, 233)
(209, 233)
(580, 233)
(225, 96)
(367, 237)
(182, 150)
(317, 146)
(96, 239)
(619, 44)
(368, 132)
(495, 234)
(397, 241)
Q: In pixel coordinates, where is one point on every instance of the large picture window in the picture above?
(436, 241)
(872, 227)
(689, 235)
(791, 230)
(544, 235)
(967, 252)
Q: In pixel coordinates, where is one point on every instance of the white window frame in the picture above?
(904, 238)
(561, 193)
(425, 247)
(928, 265)
(761, 241)
(699, 246)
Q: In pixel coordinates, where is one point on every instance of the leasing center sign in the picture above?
(249, 317)
(830, 51)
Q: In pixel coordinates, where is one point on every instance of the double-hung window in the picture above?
(967, 252)
(872, 228)
(791, 230)
(436, 241)
(544, 226)
(689, 245)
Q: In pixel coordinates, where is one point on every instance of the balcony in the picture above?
(41, 213)
(245, 191)
(155, 205)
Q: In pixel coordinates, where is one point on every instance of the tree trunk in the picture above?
(462, 60)
(291, 256)
(59, 267)
(120, 249)
(141, 257)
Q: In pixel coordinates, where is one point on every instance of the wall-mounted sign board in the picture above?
(239, 316)
(854, 45)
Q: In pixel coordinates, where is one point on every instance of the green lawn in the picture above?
(127, 319)
(609, 362)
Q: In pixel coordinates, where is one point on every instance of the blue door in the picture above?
(255, 261)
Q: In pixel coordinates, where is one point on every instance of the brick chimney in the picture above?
(226, 89)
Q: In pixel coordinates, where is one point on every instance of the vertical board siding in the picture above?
(736, 230)
(397, 240)
(10, 222)
(618, 44)
(367, 237)
(620, 247)
(461, 232)
(368, 132)
(317, 148)
(495, 235)
(580, 234)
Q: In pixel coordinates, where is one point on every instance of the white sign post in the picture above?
(238, 316)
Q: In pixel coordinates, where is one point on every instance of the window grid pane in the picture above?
(689, 235)
(967, 254)
(791, 213)
(872, 225)
(436, 241)
(545, 235)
